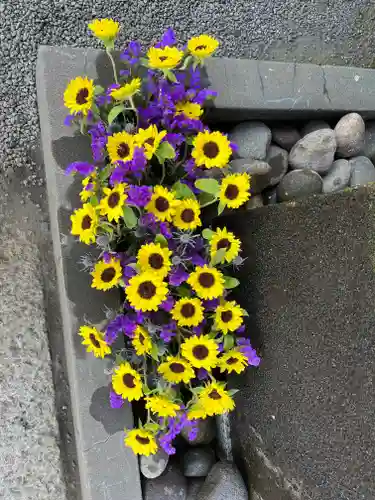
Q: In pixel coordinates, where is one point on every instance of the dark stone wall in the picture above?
(305, 420)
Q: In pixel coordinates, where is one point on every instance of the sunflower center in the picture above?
(231, 361)
(95, 342)
(113, 200)
(226, 316)
(200, 352)
(86, 222)
(81, 97)
(129, 380)
(201, 47)
(224, 243)
(231, 192)
(156, 261)
(161, 204)
(214, 395)
(211, 149)
(177, 367)
(108, 274)
(188, 310)
(206, 280)
(150, 141)
(141, 338)
(123, 150)
(163, 58)
(147, 290)
(187, 215)
(143, 440)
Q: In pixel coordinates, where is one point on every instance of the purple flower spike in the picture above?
(132, 53)
(168, 39)
(168, 304)
(246, 348)
(68, 120)
(202, 374)
(82, 167)
(178, 276)
(115, 400)
(139, 195)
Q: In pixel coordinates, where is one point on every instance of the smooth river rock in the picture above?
(362, 171)
(277, 158)
(369, 145)
(350, 135)
(194, 486)
(224, 482)
(285, 136)
(154, 465)
(198, 461)
(315, 151)
(338, 177)
(252, 167)
(255, 201)
(298, 184)
(172, 485)
(313, 126)
(206, 432)
(252, 139)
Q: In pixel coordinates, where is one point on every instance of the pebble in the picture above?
(270, 196)
(198, 462)
(298, 184)
(350, 135)
(252, 139)
(206, 431)
(250, 166)
(315, 151)
(313, 126)
(285, 136)
(172, 485)
(224, 482)
(362, 171)
(369, 145)
(154, 465)
(277, 158)
(338, 177)
(194, 486)
(255, 201)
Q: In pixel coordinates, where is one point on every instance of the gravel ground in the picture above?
(321, 31)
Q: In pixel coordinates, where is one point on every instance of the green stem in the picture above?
(163, 174)
(113, 64)
(130, 99)
(209, 203)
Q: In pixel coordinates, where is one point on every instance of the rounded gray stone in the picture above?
(313, 126)
(315, 151)
(338, 177)
(270, 196)
(255, 201)
(252, 139)
(250, 166)
(277, 158)
(154, 465)
(369, 145)
(285, 136)
(298, 184)
(350, 135)
(198, 462)
(362, 171)
(172, 485)
(194, 486)
(224, 482)
(206, 431)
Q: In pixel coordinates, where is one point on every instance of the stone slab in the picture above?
(107, 469)
(305, 420)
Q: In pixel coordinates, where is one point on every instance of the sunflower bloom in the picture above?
(126, 382)
(163, 204)
(106, 275)
(216, 400)
(164, 58)
(176, 370)
(153, 257)
(112, 205)
(104, 29)
(127, 90)
(141, 341)
(85, 223)
(233, 361)
(187, 215)
(228, 317)
(79, 95)
(202, 46)
(207, 282)
(223, 239)
(141, 441)
(89, 186)
(191, 110)
(211, 149)
(146, 291)
(120, 146)
(162, 406)
(235, 190)
(149, 139)
(200, 351)
(188, 312)
(94, 341)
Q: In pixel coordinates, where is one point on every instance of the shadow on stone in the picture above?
(101, 411)
(69, 149)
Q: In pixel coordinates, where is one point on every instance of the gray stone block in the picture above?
(107, 469)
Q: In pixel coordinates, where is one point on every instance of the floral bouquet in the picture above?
(155, 168)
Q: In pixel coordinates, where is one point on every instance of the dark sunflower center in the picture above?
(129, 380)
(176, 368)
(95, 342)
(143, 440)
(113, 200)
(123, 150)
(108, 274)
(156, 261)
(150, 141)
(210, 149)
(232, 361)
(226, 316)
(141, 338)
(187, 215)
(81, 97)
(163, 58)
(201, 47)
(231, 192)
(200, 352)
(188, 310)
(147, 290)
(206, 280)
(214, 395)
(86, 222)
(161, 204)
(224, 243)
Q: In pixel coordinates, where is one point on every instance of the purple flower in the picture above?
(121, 324)
(68, 120)
(168, 39)
(82, 167)
(197, 259)
(202, 374)
(174, 139)
(164, 230)
(98, 135)
(241, 329)
(132, 53)
(202, 96)
(211, 304)
(165, 442)
(139, 195)
(115, 400)
(168, 331)
(192, 426)
(168, 304)
(234, 147)
(178, 276)
(246, 348)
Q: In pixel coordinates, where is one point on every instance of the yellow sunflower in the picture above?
(211, 149)
(200, 351)
(106, 275)
(126, 382)
(141, 441)
(120, 146)
(216, 400)
(163, 204)
(164, 58)
(233, 361)
(127, 90)
(146, 291)
(85, 223)
(89, 186)
(154, 257)
(141, 341)
(202, 46)
(112, 205)
(104, 29)
(207, 282)
(187, 215)
(235, 190)
(176, 370)
(149, 139)
(162, 405)
(196, 412)
(228, 317)
(188, 312)
(94, 341)
(225, 239)
(190, 109)
(79, 95)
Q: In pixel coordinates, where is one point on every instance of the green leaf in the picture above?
(170, 75)
(119, 359)
(115, 111)
(94, 200)
(105, 172)
(218, 257)
(196, 390)
(228, 342)
(154, 352)
(206, 199)
(210, 186)
(152, 427)
(207, 234)
(232, 392)
(230, 282)
(143, 61)
(245, 313)
(98, 89)
(220, 208)
(159, 238)
(165, 152)
(95, 109)
(188, 60)
(129, 217)
(184, 291)
(182, 191)
(146, 390)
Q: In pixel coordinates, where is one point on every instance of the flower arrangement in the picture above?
(155, 168)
